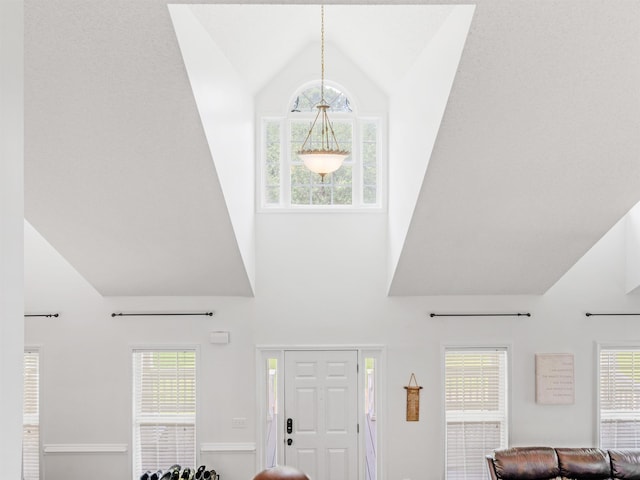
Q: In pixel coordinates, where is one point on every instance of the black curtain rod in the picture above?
(42, 314)
(209, 314)
(609, 314)
(479, 315)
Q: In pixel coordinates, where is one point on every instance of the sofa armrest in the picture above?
(625, 464)
(491, 467)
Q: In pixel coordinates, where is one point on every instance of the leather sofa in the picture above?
(546, 463)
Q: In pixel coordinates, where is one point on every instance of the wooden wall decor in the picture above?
(413, 400)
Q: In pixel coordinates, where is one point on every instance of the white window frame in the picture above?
(160, 348)
(357, 124)
(37, 351)
(630, 414)
(476, 417)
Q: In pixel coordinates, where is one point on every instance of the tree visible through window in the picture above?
(619, 392)
(164, 406)
(287, 183)
(475, 408)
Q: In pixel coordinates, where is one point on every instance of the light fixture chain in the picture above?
(322, 53)
(322, 159)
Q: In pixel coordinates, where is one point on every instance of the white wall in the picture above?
(632, 261)
(11, 248)
(225, 105)
(321, 279)
(416, 109)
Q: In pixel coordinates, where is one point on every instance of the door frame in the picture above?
(378, 352)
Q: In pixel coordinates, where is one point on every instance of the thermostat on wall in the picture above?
(219, 337)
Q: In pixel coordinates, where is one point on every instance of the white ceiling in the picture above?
(537, 156)
(118, 174)
(382, 40)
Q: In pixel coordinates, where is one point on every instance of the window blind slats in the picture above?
(619, 393)
(164, 445)
(475, 408)
(31, 417)
(164, 409)
(468, 440)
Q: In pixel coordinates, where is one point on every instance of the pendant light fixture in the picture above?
(320, 151)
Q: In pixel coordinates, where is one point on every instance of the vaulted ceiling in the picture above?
(537, 156)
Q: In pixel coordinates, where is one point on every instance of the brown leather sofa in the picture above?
(546, 463)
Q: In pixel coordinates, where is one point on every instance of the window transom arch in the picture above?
(284, 181)
(307, 98)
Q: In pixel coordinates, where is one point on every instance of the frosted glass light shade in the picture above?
(323, 162)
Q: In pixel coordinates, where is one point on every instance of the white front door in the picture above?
(321, 413)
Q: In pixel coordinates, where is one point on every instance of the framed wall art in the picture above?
(555, 380)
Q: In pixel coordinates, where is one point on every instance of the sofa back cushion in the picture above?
(526, 463)
(625, 464)
(584, 463)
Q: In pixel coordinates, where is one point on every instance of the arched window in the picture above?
(287, 184)
(307, 100)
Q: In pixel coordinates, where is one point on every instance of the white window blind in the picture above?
(31, 417)
(164, 406)
(475, 409)
(619, 390)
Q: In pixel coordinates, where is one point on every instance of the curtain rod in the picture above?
(121, 314)
(526, 314)
(41, 314)
(609, 314)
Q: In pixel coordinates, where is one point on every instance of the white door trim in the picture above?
(377, 351)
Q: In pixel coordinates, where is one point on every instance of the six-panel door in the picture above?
(321, 401)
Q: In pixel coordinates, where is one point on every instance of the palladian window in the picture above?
(285, 181)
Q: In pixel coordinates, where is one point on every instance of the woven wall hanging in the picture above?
(413, 400)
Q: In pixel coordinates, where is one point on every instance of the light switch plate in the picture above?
(239, 422)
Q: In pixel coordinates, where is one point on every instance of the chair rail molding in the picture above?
(85, 448)
(247, 447)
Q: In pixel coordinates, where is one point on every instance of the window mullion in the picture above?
(356, 155)
(285, 162)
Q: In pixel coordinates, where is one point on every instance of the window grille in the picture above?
(164, 409)
(475, 408)
(308, 99)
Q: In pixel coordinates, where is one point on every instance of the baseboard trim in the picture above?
(228, 447)
(85, 448)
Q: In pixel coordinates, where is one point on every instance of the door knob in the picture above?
(289, 441)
